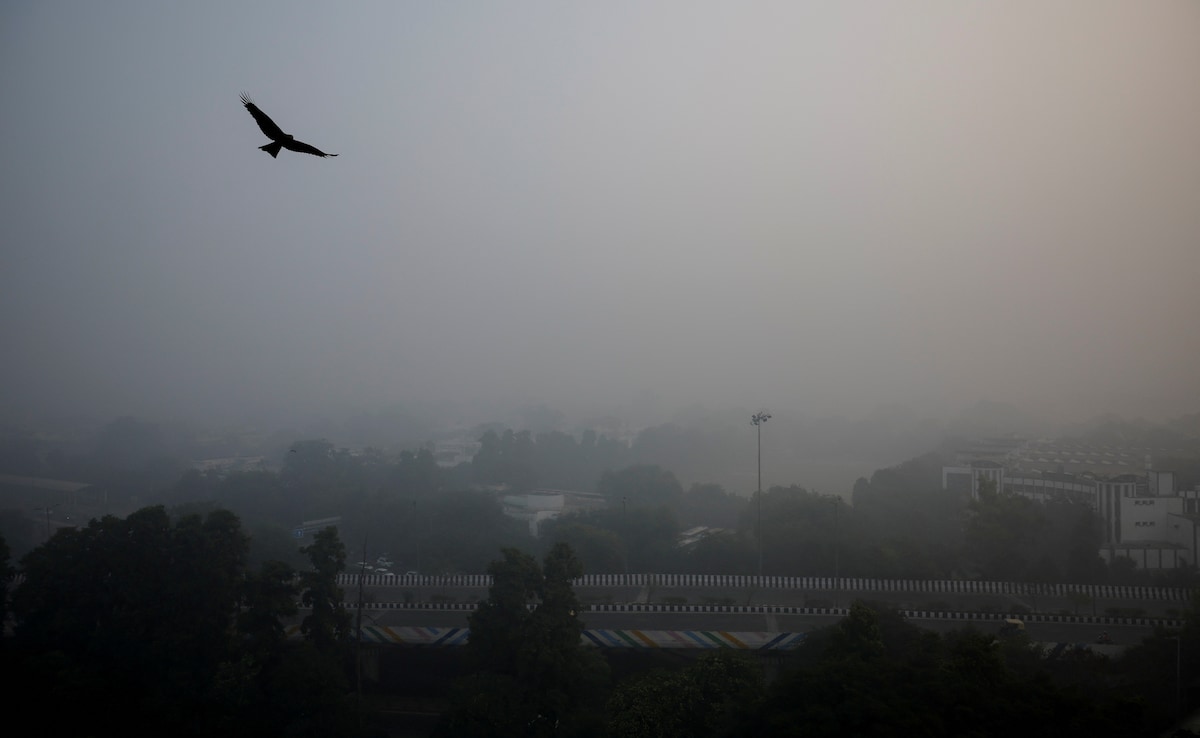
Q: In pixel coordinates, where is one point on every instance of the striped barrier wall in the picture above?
(403, 636)
(348, 579)
(958, 586)
(955, 586)
(708, 639)
(1098, 591)
(966, 616)
(428, 637)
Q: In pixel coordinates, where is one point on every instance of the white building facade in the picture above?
(1144, 518)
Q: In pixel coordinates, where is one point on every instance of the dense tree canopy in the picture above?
(328, 623)
(900, 523)
(802, 532)
(711, 697)
(868, 680)
(505, 458)
(710, 505)
(136, 606)
(641, 485)
(164, 618)
(531, 674)
(6, 573)
(176, 606)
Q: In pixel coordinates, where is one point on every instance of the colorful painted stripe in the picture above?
(437, 637)
(673, 639)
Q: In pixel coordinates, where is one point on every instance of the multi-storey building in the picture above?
(1144, 518)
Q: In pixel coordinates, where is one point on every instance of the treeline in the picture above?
(898, 523)
(158, 624)
(131, 458)
(873, 673)
(153, 625)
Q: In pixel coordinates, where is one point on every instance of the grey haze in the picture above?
(605, 207)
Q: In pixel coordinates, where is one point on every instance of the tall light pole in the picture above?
(757, 421)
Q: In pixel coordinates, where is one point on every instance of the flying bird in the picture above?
(279, 139)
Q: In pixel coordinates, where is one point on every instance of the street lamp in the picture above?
(757, 421)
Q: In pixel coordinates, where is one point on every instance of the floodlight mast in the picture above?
(757, 421)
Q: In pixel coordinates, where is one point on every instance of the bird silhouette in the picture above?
(279, 139)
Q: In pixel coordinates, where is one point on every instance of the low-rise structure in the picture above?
(450, 452)
(534, 507)
(1144, 518)
(540, 505)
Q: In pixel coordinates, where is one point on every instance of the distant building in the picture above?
(540, 505)
(534, 507)
(966, 479)
(309, 528)
(1144, 517)
(1067, 457)
(1109, 505)
(999, 449)
(450, 452)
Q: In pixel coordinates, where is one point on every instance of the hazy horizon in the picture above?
(626, 209)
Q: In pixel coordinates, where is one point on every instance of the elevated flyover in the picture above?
(768, 613)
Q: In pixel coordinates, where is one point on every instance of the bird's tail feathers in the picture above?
(272, 148)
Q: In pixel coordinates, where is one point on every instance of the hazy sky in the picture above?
(818, 205)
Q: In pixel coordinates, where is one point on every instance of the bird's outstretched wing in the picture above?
(303, 148)
(273, 132)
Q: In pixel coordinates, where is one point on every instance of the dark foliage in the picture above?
(532, 675)
(870, 680)
(152, 626)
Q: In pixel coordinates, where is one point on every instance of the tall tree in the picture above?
(206, 567)
(802, 531)
(327, 625)
(415, 475)
(1001, 530)
(134, 606)
(874, 678)
(6, 573)
(710, 505)
(710, 697)
(532, 673)
(498, 624)
(320, 479)
(268, 597)
(640, 485)
(506, 458)
(554, 664)
(601, 550)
